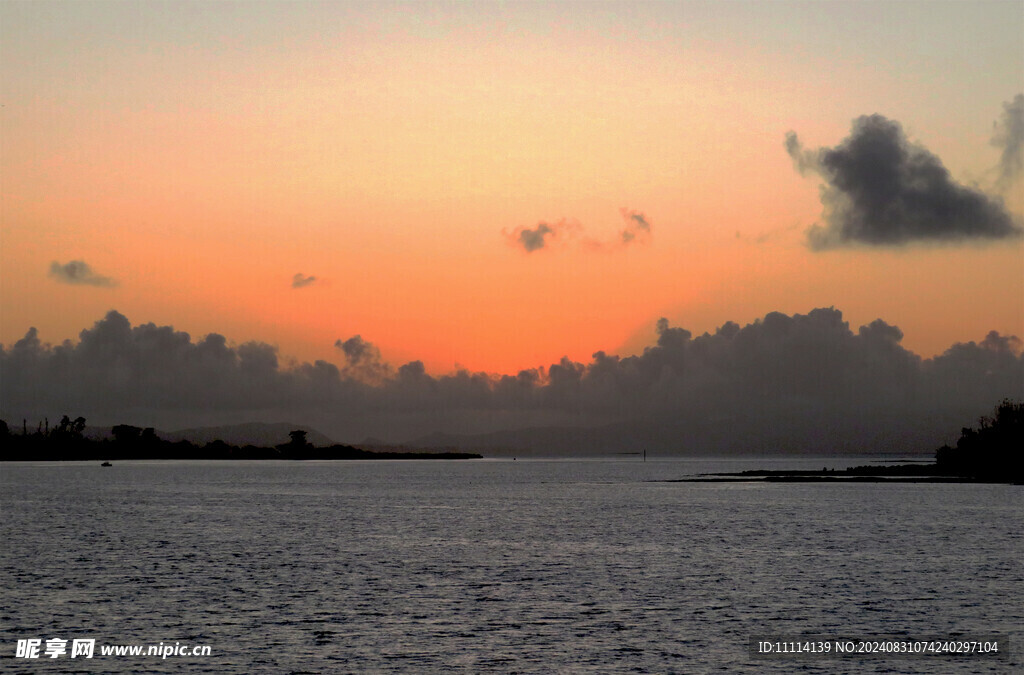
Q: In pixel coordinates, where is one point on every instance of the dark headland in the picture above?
(67, 442)
(992, 453)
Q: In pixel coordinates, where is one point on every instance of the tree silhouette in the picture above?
(995, 449)
(298, 447)
(67, 442)
(126, 433)
(68, 430)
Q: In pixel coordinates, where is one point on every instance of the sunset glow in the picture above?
(203, 154)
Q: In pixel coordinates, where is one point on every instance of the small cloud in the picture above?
(638, 228)
(1009, 137)
(79, 273)
(532, 240)
(883, 190)
(300, 280)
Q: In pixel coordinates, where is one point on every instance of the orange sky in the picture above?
(202, 154)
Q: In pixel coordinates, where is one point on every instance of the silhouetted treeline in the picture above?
(994, 450)
(66, 442)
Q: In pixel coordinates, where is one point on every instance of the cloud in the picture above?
(637, 230)
(804, 161)
(799, 382)
(357, 350)
(637, 225)
(79, 273)
(300, 280)
(1009, 137)
(532, 240)
(883, 190)
(363, 360)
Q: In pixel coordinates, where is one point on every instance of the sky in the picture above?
(492, 187)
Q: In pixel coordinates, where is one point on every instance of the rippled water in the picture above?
(495, 566)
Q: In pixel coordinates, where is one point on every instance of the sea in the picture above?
(502, 566)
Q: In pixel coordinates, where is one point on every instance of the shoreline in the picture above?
(900, 473)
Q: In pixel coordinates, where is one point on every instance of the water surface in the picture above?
(496, 566)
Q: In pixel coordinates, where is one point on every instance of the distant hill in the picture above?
(540, 441)
(739, 435)
(260, 434)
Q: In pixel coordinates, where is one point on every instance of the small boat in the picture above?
(106, 464)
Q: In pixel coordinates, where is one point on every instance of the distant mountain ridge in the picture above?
(794, 435)
(531, 441)
(661, 436)
(260, 434)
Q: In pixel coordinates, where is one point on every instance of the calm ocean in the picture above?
(526, 566)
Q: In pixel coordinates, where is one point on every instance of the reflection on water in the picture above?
(496, 566)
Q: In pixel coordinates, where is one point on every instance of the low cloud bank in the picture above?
(800, 382)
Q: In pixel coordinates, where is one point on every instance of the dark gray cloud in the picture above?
(300, 280)
(363, 360)
(357, 350)
(883, 190)
(797, 382)
(1009, 137)
(532, 240)
(79, 273)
